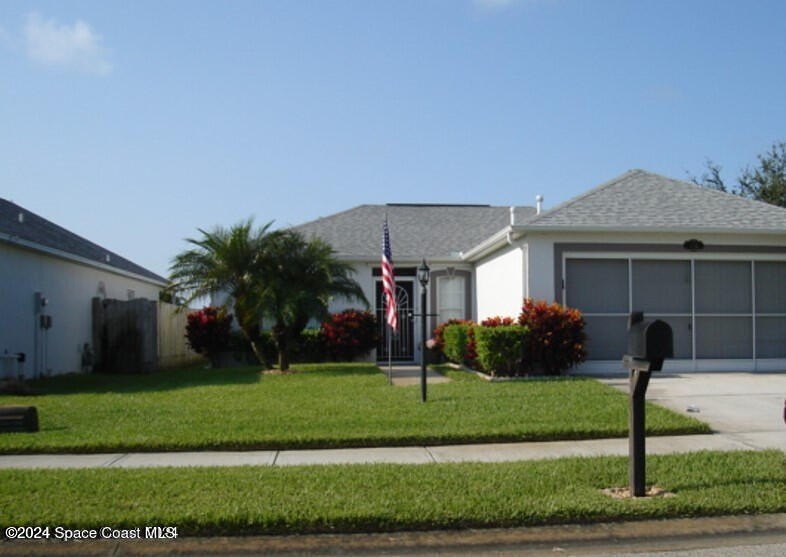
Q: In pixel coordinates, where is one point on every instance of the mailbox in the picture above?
(649, 343)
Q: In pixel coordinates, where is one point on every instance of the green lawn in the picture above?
(328, 405)
(246, 500)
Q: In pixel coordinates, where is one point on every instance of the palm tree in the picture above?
(233, 261)
(303, 277)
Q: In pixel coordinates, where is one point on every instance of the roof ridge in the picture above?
(726, 194)
(387, 206)
(592, 191)
(318, 219)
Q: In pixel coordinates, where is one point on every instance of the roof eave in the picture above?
(493, 243)
(653, 229)
(78, 259)
(399, 259)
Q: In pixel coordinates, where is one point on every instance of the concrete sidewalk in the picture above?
(406, 375)
(489, 452)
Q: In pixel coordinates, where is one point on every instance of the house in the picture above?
(711, 264)
(48, 277)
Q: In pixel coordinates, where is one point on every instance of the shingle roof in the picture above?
(40, 231)
(639, 199)
(430, 231)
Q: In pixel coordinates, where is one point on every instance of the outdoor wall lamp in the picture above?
(693, 245)
(423, 275)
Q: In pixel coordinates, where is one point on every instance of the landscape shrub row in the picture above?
(545, 339)
(343, 336)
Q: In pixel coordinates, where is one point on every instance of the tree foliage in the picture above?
(279, 276)
(302, 277)
(231, 261)
(765, 181)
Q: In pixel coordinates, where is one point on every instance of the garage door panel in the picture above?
(683, 337)
(662, 286)
(720, 292)
(607, 337)
(770, 287)
(597, 285)
(770, 337)
(724, 337)
(723, 287)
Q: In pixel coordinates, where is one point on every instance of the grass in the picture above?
(260, 500)
(327, 405)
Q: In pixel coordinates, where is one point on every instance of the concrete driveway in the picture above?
(747, 407)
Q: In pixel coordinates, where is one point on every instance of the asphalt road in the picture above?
(759, 535)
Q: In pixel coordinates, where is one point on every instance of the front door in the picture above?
(402, 343)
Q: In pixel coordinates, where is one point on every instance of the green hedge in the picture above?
(456, 338)
(500, 349)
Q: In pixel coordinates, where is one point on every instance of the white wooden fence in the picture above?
(173, 349)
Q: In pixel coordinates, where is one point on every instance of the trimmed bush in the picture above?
(555, 341)
(349, 334)
(459, 343)
(208, 331)
(439, 332)
(500, 348)
(454, 344)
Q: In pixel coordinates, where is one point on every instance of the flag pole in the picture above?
(390, 355)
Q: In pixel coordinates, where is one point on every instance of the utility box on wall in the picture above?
(125, 336)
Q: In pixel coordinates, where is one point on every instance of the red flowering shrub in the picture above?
(207, 330)
(498, 321)
(556, 336)
(349, 334)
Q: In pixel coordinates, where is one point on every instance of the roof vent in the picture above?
(108, 259)
(21, 217)
(538, 204)
(512, 215)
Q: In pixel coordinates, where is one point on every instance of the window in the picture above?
(451, 298)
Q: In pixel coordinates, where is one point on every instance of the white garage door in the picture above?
(717, 309)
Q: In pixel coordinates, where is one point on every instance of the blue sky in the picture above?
(134, 123)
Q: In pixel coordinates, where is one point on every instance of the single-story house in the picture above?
(48, 277)
(711, 264)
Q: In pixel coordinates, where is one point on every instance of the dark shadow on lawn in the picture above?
(138, 383)
(183, 378)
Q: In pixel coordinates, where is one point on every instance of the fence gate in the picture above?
(125, 336)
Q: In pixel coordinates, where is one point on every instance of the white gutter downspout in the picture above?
(509, 235)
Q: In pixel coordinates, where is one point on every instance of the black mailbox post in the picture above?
(649, 343)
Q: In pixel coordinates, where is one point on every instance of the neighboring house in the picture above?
(45, 270)
(711, 264)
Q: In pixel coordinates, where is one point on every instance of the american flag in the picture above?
(388, 280)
